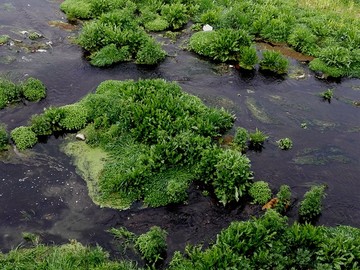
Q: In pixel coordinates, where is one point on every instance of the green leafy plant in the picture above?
(260, 192)
(158, 24)
(74, 117)
(150, 54)
(241, 138)
(4, 137)
(275, 62)
(152, 245)
(302, 39)
(233, 176)
(311, 205)
(285, 143)
(284, 197)
(176, 14)
(33, 89)
(327, 95)
(248, 58)
(23, 137)
(257, 138)
(109, 55)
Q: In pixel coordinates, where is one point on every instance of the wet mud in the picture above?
(41, 192)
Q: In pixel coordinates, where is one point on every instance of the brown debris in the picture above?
(270, 204)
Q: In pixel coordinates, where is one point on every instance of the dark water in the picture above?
(41, 192)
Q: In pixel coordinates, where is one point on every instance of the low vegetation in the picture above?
(31, 89)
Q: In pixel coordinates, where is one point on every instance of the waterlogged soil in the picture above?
(41, 192)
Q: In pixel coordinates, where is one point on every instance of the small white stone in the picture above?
(207, 27)
(80, 137)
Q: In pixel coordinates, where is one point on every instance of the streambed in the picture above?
(42, 193)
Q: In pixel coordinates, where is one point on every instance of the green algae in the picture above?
(257, 111)
(321, 156)
(89, 162)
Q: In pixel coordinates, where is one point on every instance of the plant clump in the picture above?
(241, 138)
(275, 62)
(285, 143)
(327, 95)
(260, 192)
(152, 245)
(284, 199)
(23, 137)
(311, 205)
(33, 89)
(257, 139)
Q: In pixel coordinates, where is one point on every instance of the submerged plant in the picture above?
(285, 143)
(327, 95)
(311, 205)
(260, 192)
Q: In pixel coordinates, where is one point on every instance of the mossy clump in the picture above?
(23, 137)
(33, 89)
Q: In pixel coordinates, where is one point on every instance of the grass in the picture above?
(65, 257)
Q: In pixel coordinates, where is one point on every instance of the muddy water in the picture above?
(41, 192)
